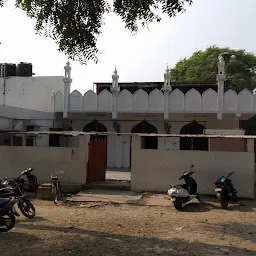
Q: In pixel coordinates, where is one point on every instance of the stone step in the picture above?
(109, 185)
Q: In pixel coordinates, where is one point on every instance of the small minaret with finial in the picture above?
(166, 89)
(115, 90)
(221, 78)
(167, 78)
(67, 84)
(115, 78)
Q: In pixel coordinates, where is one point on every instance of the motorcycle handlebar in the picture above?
(189, 173)
(230, 173)
(226, 176)
(56, 173)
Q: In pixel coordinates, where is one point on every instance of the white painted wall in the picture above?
(30, 92)
(118, 154)
(141, 102)
(72, 161)
(155, 170)
(224, 132)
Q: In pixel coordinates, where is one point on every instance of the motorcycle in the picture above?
(15, 188)
(181, 194)
(7, 214)
(225, 190)
(32, 185)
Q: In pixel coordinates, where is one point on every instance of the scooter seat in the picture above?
(4, 201)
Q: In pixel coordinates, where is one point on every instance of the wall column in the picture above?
(67, 84)
(115, 90)
(221, 78)
(166, 89)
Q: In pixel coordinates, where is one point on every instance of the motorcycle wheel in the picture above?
(7, 222)
(27, 208)
(223, 202)
(177, 204)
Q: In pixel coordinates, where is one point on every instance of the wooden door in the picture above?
(97, 161)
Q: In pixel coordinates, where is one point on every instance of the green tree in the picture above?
(76, 24)
(202, 67)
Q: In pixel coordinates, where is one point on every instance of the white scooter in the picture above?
(179, 194)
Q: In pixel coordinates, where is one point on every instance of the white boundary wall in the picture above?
(155, 170)
(46, 160)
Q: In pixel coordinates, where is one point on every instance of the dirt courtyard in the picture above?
(109, 230)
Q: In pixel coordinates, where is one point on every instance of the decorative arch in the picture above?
(148, 142)
(75, 100)
(144, 127)
(140, 101)
(96, 126)
(193, 143)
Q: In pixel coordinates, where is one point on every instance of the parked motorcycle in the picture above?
(15, 188)
(7, 214)
(31, 185)
(225, 190)
(181, 194)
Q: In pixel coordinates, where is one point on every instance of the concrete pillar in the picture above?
(67, 84)
(166, 89)
(53, 101)
(115, 90)
(221, 78)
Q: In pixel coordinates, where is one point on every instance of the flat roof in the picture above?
(77, 133)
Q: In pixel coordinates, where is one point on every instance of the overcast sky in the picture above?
(139, 58)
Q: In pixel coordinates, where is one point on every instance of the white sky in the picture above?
(142, 57)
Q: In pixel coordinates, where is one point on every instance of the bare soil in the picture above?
(109, 230)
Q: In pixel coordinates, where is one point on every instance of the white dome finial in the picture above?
(167, 78)
(67, 69)
(115, 78)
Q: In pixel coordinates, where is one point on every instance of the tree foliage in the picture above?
(202, 67)
(76, 24)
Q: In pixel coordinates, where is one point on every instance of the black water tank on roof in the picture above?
(7, 69)
(24, 69)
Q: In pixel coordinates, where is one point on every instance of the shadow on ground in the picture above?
(198, 207)
(210, 202)
(242, 231)
(75, 241)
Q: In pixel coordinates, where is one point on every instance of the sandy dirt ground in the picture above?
(109, 230)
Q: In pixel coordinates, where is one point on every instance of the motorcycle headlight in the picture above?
(223, 180)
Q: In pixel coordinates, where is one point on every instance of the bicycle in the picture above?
(56, 188)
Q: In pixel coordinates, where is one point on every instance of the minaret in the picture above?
(115, 78)
(166, 89)
(67, 84)
(221, 78)
(115, 90)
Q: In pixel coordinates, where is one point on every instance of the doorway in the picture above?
(147, 142)
(190, 143)
(97, 152)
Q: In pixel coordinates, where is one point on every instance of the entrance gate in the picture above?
(97, 153)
